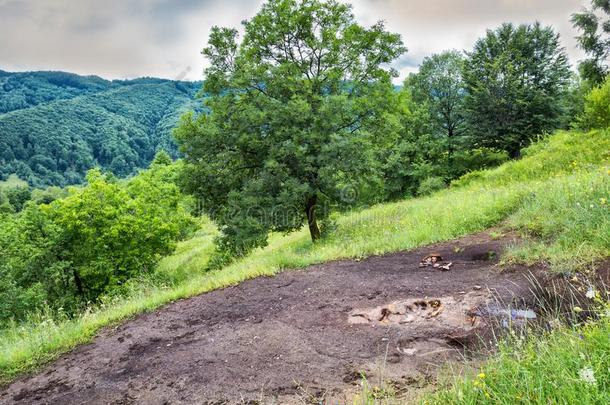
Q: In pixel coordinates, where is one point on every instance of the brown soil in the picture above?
(300, 336)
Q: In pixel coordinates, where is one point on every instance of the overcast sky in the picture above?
(163, 38)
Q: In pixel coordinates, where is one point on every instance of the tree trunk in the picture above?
(515, 153)
(78, 282)
(450, 141)
(310, 210)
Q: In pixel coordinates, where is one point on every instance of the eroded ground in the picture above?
(300, 336)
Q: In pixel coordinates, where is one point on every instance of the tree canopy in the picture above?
(516, 79)
(294, 108)
(439, 85)
(67, 249)
(594, 26)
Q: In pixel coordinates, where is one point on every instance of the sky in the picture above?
(119, 39)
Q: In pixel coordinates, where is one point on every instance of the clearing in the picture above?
(300, 336)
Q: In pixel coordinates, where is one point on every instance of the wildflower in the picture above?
(577, 309)
(587, 375)
(590, 293)
(481, 375)
(603, 201)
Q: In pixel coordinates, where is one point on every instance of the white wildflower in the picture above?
(590, 293)
(587, 375)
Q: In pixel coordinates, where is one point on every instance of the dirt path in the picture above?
(298, 336)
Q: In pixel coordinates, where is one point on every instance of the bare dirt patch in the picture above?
(300, 336)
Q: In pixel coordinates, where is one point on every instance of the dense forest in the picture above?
(55, 126)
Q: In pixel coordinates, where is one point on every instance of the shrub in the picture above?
(597, 108)
(430, 185)
(89, 243)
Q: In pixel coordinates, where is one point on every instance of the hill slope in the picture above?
(54, 126)
(555, 196)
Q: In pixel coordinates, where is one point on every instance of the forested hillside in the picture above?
(54, 126)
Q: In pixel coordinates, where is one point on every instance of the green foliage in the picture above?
(70, 124)
(90, 242)
(295, 109)
(28, 89)
(430, 185)
(440, 86)
(515, 79)
(17, 196)
(413, 150)
(594, 26)
(162, 158)
(597, 108)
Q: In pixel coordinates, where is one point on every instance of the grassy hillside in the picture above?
(557, 194)
(55, 126)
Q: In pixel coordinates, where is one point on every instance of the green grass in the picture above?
(538, 194)
(541, 369)
(561, 154)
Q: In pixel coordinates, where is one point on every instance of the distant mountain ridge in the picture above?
(54, 126)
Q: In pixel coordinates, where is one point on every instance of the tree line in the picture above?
(55, 126)
(302, 107)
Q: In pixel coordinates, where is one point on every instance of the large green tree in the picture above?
(439, 85)
(294, 109)
(516, 78)
(594, 26)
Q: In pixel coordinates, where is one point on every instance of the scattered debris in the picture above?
(476, 287)
(431, 260)
(409, 351)
(446, 267)
(446, 310)
(507, 316)
(435, 260)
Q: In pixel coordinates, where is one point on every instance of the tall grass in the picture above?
(521, 194)
(569, 365)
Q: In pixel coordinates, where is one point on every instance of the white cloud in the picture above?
(129, 38)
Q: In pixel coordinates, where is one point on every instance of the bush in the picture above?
(430, 185)
(597, 108)
(88, 243)
(466, 161)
